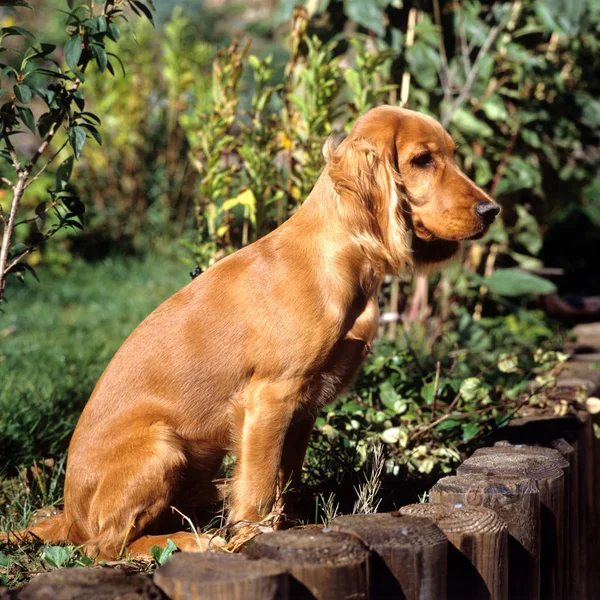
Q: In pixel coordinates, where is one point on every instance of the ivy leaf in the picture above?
(77, 138)
(470, 430)
(508, 363)
(162, 555)
(470, 389)
(388, 395)
(447, 424)
(73, 50)
(56, 556)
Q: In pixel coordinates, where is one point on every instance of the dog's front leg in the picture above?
(267, 418)
(294, 450)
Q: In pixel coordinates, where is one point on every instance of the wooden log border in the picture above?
(523, 514)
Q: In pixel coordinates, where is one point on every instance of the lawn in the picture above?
(56, 338)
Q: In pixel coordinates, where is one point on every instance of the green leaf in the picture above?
(470, 389)
(113, 32)
(15, 30)
(77, 138)
(508, 363)
(4, 560)
(254, 61)
(368, 13)
(388, 395)
(22, 267)
(427, 392)
(45, 123)
(93, 132)
(27, 117)
(353, 80)
(470, 125)
(494, 109)
(100, 56)
(162, 555)
(17, 249)
(391, 399)
(143, 8)
(74, 204)
(56, 556)
(23, 93)
(447, 424)
(73, 50)
(63, 174)
(8, 69)
(470, 430)
(514, 282)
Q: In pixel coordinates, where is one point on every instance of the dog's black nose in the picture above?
(487, 211)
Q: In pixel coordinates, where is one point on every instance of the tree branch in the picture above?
(470, 80)
(39, 173)
(12, 152)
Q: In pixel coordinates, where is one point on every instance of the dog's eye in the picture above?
(422, 160)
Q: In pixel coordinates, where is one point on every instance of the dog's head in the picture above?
(397, 168)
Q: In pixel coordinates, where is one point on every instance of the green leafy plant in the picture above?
(162, 555)
(36, 75)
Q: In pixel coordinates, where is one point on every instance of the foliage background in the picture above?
(212, 140)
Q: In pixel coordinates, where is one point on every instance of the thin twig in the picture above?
(39, 173)
(435, 389)
(443, 72)
(8, 182)
(470, 80)
(13, 153)
(189, 521)
(463, 42)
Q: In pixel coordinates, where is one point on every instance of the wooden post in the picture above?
(547, 472)
(324, 565)
(588, 472)
(478, 555)
(562, 434)
(409, 554)
(565, 532)
(86, 584)
(571, 579)
(221, 575)
(517, 502)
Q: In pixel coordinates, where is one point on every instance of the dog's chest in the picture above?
(345, 358)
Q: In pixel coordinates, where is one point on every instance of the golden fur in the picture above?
(242, 359)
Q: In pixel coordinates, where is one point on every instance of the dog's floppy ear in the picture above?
(368, 186)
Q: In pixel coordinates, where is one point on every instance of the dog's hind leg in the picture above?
(185, 541)
(131, 496)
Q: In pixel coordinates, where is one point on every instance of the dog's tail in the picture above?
(52, 530)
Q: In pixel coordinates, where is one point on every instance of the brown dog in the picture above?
(242, 359)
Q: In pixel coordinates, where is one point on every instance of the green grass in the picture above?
(56, 338)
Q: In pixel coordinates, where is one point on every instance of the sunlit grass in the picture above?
(57, 336)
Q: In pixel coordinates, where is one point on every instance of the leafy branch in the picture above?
(38, 77)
